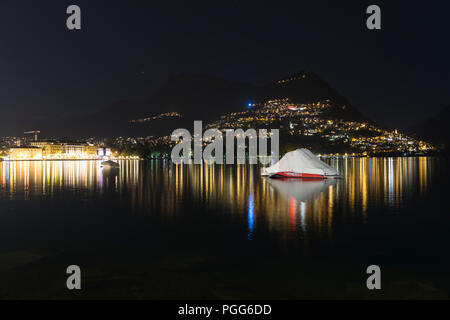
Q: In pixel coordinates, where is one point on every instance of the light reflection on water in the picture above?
(287, 206)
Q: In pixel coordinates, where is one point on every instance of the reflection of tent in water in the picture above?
(297, 193)
(300, 163)
(300, 190)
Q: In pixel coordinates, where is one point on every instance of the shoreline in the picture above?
(42, 160)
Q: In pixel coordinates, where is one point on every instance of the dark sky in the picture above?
(396, 76)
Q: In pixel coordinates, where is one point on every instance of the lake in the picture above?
(154, 230)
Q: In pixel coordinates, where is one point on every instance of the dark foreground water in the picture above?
(158, 230)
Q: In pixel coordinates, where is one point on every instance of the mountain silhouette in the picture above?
(198, 97)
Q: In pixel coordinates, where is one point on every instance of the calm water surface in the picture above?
(158, 230)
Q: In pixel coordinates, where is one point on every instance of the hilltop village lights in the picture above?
(311, 120)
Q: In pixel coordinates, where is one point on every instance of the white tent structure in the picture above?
(300, 163)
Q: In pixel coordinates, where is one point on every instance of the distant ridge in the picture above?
(435, 129)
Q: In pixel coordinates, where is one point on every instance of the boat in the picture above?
(302, 164)
(110, 164)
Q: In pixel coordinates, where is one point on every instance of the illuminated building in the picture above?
(58, 150)
(103, 152)
(25, 153)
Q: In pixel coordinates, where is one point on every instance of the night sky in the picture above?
(396, 76)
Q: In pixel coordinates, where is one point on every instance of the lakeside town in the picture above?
(12, 148)
(311, 125)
